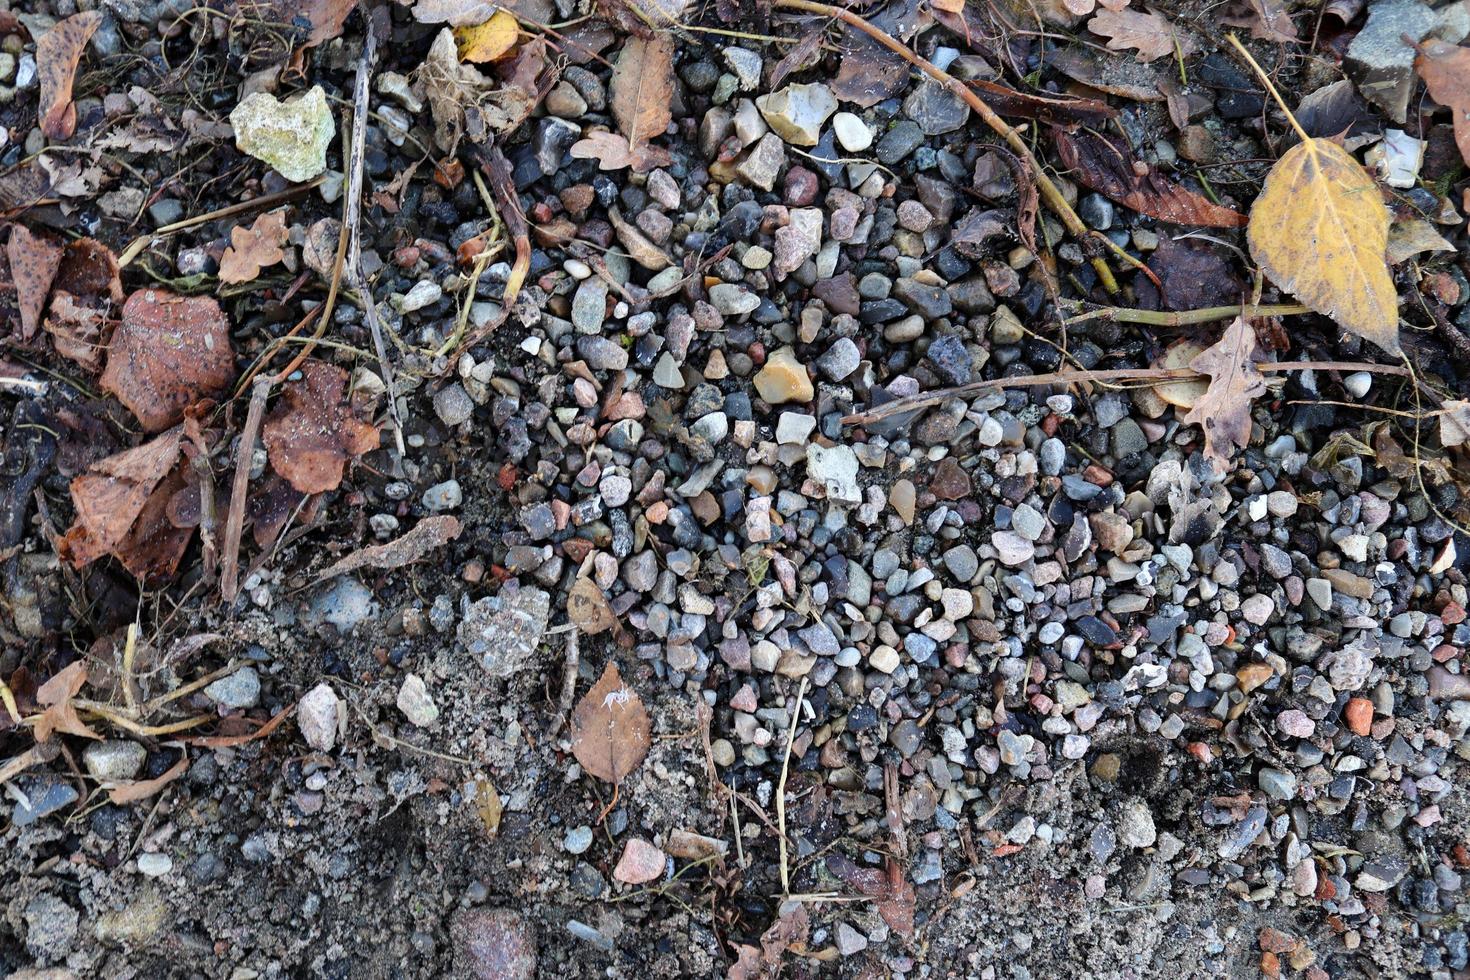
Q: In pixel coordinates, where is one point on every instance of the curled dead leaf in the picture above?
(1150, 34)
(1445, 69)
(58, 52)
(313, 432)
(1107, 165)
(34, 261)
(642, 90)
(489, 41)
(168, 353)
(121, 505)
(254, 248)
(610, 728)
(1224, 410)
(83, 295)
(55, 698)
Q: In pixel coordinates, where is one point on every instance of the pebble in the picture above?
(291, 135)
(784, 379)
(114, 760)
(1135, 825)
(852, 133)
(443, 496)
(415, 703)
(316, 716)
(453, 405)
(238, 690)
(578, 839)
(641, 863)
(798, 111)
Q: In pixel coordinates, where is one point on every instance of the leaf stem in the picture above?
(1266, 81)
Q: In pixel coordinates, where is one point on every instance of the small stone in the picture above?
(836, 468)
(763, 164)
(641, 863)
(1295, 723)
(453, 405)
(796, 113)
(798, 240)
(238, 690)
(1257, 609)
(154, 865)
(423, 294)
(745, 65)
(784, 379)
(443, 496)
(114, 760)
(850, 942)
(1276, 783)
(494, 944)
(1136, 825)
(901, 497)
(589, 305)
(578, 840)
(415, 703)
(1358, 714)
(793, 428)
(666, 373)
(935, 108)
(504, 630)
(732, 299)
(316, 716)
(1028, 522)
(850, 130)
(1012, 548)
(841, 359)
(884, 659)
(291, 136)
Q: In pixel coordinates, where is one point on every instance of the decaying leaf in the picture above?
(642, 88)
(488, 805)
(168, 353)
(1185, 393)
(1266, 19)
(252, 249)
(1107, 165)
(1445, 69)
(55, 698)
(313, 431)
(57, 53)
(1151, 34)
(868, 72)
(1407, 239)
(614, 152)
(1319, 231)
(141, 789)
(610, 728)
(1454, 423)
(588, 608)
(34, 261)
(429, 534)
(121, 505)
(1224, 410)
(887, 887)
(465, 102)
(86, 290)
(488, 41)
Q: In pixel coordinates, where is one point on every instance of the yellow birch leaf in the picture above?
(1319, 230)
(488, 41)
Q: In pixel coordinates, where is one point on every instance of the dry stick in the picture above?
(1163, 318)
(901, 405)
(781, 787)
(1005, 130)
(360, 106)
(235, 522)
(570, 663)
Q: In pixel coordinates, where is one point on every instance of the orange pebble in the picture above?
(1358, 713)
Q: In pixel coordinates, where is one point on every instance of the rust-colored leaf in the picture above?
(610, 728)
(1445, 69)
(888, 888)
(254, 248)
(614, 152)
(1224, 410)
(168, 353)
(1108, 166)
(1068, 112)
(141, 789)
(57, 53)
(86, 290)
(1150, 34)
(642, 88)
(868, 72)
(1266, 19)
(55, 699)
(34, 261)
(313, 432)
(121, 507)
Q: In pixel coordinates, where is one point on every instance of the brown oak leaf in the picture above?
(610, 728)
(168, 353)
(57, 53)
(55, 698)
(34, 260)
(252, 249)
(1150, 34)
(313, 432)
(1224, 410)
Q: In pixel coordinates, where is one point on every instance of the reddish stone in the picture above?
(494, 944)
(1452, 613)
(949, 481)
(641, 863)
(1358, 714)
(800, 188)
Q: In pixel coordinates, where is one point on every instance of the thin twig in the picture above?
(1049, 191)
(1185, 318)
(352, 224)
(570, 663)
(235, 522)
(1154, 375)
(781, 788)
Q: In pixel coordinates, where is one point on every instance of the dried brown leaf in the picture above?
(313, 431)
(254, 248)
(131, 792)
(1152, 35)
(614, 152)
(1454, 423)
(229, 741)
(1267, 20)
(1224, 410)
(83, 295)
(168, 353)
(1445, 69)
(610, 728)
(642, 89)
(1108, 166)
(55, 698)
(588, 609)
(887, 887)
(34, 261)
(1069, 112)
(429, 534)
(58, 52)
(868, 72)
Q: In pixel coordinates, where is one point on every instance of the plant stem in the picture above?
(1184, 318)
(1049, 191)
